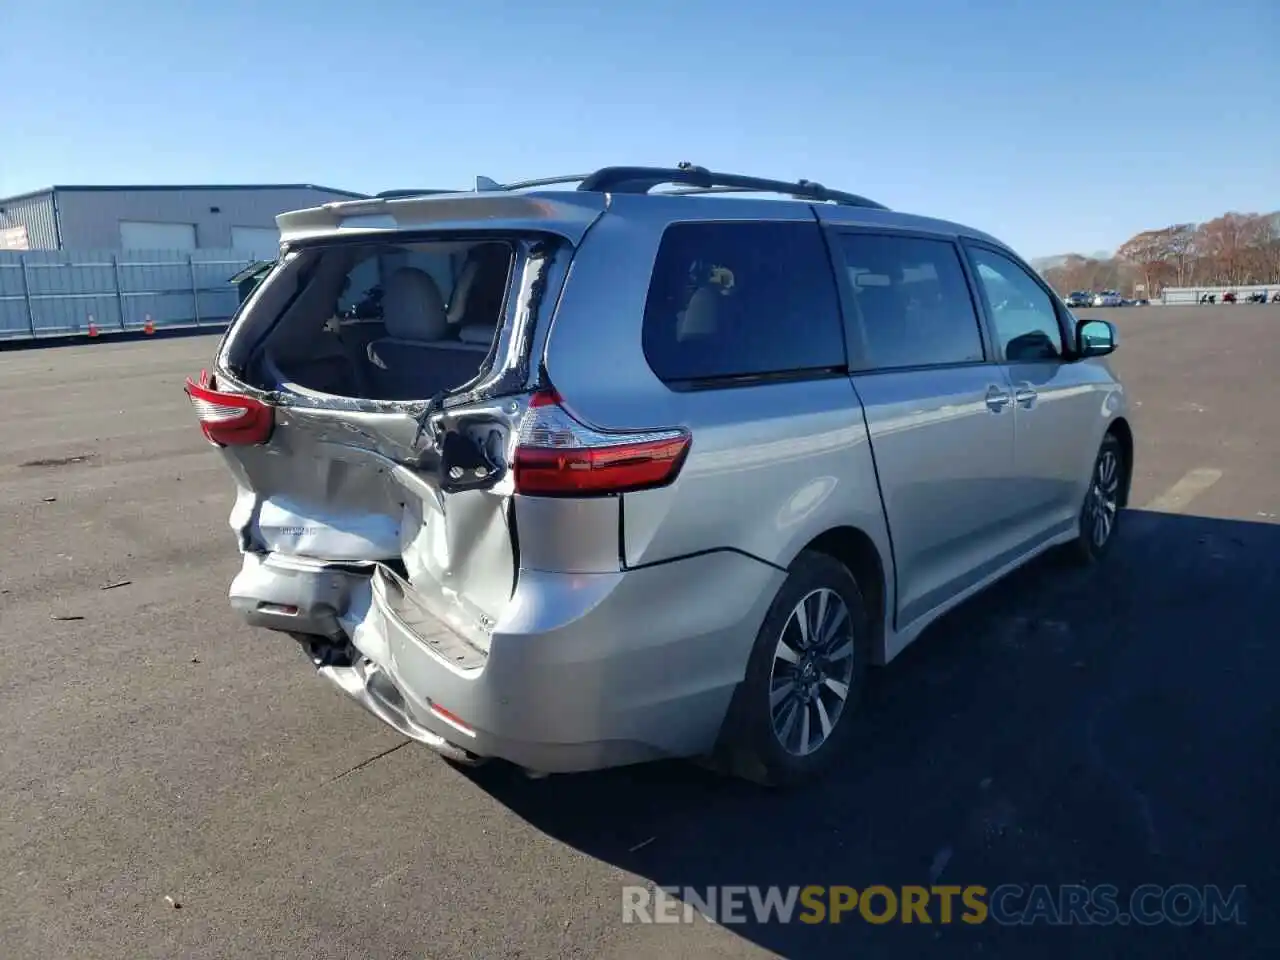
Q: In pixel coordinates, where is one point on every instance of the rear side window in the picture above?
(911, 301)
(742, 299)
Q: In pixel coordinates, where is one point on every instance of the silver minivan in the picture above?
(589, 471)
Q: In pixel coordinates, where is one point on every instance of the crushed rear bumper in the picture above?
(365, 683)
(581, 671)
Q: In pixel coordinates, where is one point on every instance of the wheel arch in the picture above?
(1120, 429)
(857, 551)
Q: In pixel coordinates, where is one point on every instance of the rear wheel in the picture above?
(792, 714)
(1100, 514)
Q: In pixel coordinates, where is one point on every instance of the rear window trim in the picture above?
(924, 367)
(732, 381)
(511, 379)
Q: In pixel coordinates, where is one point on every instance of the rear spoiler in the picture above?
(567, 214)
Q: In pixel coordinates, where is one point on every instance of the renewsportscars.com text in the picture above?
(1006, 905)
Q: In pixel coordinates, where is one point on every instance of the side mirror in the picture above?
(1095, 338)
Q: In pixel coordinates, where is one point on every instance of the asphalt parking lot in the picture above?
(1061, 728)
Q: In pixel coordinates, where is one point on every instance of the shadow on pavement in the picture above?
(1068, 726)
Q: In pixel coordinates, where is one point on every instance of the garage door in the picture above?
(149, 235)
(262, 243)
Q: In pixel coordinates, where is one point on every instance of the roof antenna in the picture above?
(487, 185)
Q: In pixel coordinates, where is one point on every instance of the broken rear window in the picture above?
(386, 321)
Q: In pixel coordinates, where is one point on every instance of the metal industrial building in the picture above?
(239, 217)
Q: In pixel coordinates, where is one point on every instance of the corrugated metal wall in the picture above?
(36, 213)
(56, 293)
(90, 219)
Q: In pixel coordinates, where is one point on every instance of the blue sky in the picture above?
(1055, 125)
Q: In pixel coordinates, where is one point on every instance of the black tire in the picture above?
(1108, 492)
(751, 745)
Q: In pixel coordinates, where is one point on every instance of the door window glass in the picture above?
(1025, 319)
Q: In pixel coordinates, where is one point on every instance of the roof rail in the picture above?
(644, 179)
(694, 180)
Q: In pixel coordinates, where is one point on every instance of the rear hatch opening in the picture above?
(398, 320)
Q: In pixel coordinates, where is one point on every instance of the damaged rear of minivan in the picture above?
(380, 403)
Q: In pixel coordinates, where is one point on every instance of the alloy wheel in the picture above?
(1104, 497)
(812, 671)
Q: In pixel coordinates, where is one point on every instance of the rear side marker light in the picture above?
(559, 456)
(452, 719)
(229, 419)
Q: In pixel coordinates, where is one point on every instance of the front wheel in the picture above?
(791, 716)
(1100, 514)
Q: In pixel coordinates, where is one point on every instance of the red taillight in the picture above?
(229, 419)
(558, 456)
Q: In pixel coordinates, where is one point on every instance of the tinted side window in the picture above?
(912, 301)
(736, 299)
(1025, 319)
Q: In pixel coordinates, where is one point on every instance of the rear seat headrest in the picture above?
(412, 307)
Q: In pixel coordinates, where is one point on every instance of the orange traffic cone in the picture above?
(148, 327)
(93, 327)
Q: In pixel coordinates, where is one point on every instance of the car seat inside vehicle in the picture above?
(479, 293)
(393, 335)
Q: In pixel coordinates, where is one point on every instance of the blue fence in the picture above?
(58, 293)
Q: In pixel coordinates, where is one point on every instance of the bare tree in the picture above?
(1149, 254)
(1181, 244)
(1233, 249)
(1226, 243)
(1262, 247)
(1270, 236)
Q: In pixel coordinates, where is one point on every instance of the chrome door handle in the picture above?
(997, 399)
(1025, 396)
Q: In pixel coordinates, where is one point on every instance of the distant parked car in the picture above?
(1108, 298)
(1079, 298)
